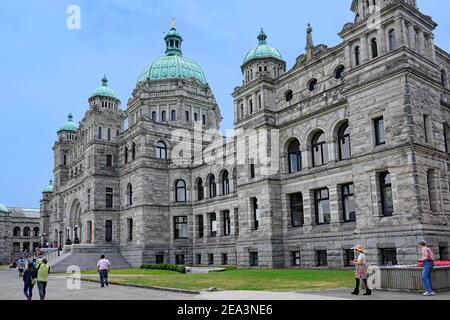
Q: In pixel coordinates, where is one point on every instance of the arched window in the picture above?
(344, 142)
(36, 232)
(126, 155)
(180, 191)
(173, 116)
(387, 203)
(444, 78)
(294, 157)
(392, 40)
(288, 95)
(161, 150)
(130, 194)
(374, 47)
(357, 56)
(188, 118)
(154, 116)
(26, 232)
(234, 179)
(200, 190)
(225, 183)
(338, 72)
(163, 116)
(16, 232)
(133, 151)
(319, 149)
(242, 111)
(251, 106)
(212, 186)
(204, 120)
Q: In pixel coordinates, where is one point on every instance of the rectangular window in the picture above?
(108, 231)
(201, 226)
(295, 258)
(297, 216)
(213, 224)
(443, 251)
(255, 213)
(89, 199)
(348, 202)
(198, 258)
(109, 198)
(99, 133)
(321, 258)
(349, 256)
(224, 259)
(16, 247)
(159, 259)
(130, 229)
(252, 171)
(426, 127)
(179, 259)
(379, 131)
(109, 134)
(226, 223)
(322, 206)
(181, 227)
(387, 203)
(211, 259)
(254, 260)
(388, 257)
(109, 160)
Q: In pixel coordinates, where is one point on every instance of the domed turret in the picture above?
(104, 90)
(263, 60)
(69, 126)
(104, 97)
(48, 188)
(173, 65)
(3, 208)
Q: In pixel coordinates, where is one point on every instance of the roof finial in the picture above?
(309, 42)
(70, 117)
(105, 81)
(262, 36)
(174, 23)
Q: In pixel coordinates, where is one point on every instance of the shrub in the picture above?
(165, 266)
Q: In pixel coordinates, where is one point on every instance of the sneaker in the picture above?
(427, 294)
(432, 293)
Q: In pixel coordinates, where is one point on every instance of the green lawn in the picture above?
(240, 279)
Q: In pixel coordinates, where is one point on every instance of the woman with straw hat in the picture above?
(361, 269)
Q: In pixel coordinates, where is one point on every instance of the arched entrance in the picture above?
(75, 222)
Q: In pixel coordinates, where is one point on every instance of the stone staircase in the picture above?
(86, 257)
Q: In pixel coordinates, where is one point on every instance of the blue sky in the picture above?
(47, 70)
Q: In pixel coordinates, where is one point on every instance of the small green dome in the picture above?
(173, 65)
(69, 125)
(104, 90)
(3, 208)
(263, 50)
(48, 188)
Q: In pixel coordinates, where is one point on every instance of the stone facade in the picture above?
(359, 135)
(20, 231)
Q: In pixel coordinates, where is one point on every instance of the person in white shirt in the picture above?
(103, 267)
(361, 269)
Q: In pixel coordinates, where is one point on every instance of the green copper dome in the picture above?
(3, 208)
(173, 65)
(69, 125)
(104, 90)
(263, 50)
(48, 188)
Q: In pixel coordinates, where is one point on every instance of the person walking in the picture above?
(43, 271)
(361, 269)
(29, 280)
(103, 267)
(427, 258)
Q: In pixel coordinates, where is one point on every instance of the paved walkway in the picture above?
(57, 290)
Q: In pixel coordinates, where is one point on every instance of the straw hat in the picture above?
(359, 248)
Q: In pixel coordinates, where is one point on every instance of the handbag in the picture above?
(33, 281)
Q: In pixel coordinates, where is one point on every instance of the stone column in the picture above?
(421, 44)
(404, 33)
(255, 102)
(347, 56)
(399, 32)
(364, 53)
(308, 210)
(236, 111)
(431, 47)
(262, 99)
(381, 41)
(412, 38)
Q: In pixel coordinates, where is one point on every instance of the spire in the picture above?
(104, 81)
(173, 41)
(262, 37)
(70, 117)
(309, 42)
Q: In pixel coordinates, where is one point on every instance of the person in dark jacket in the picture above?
(29, 278)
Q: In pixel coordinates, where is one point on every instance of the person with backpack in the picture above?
(43, 271)
(427, 258)
(29, 280)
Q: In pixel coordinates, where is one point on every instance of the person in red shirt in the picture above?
(427, 258)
